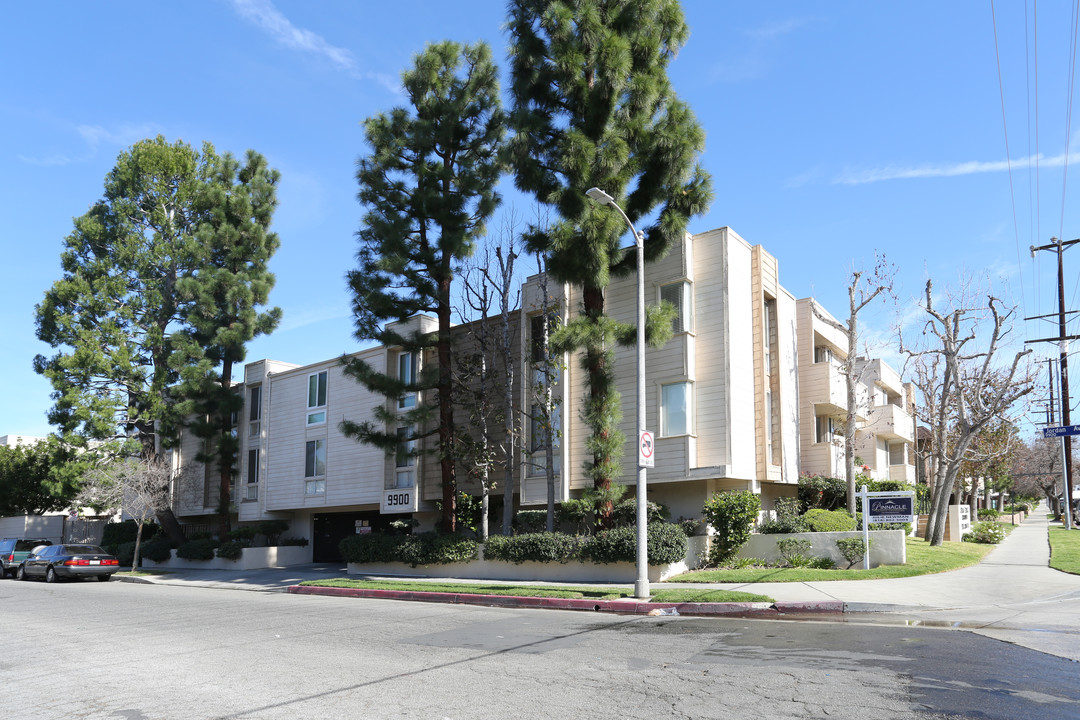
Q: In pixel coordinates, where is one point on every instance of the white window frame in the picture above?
(665, 422)
(315, 482)
(407, 400)
(684, 319)
(254, 410)
(405, 458)
(251, 491)
(316, 411)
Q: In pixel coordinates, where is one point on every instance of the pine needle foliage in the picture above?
(593, 107)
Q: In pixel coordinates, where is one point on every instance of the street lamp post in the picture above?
(641, 585)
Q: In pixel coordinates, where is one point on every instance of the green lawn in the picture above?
(664, 595)
(922, 559)
(1065, 550)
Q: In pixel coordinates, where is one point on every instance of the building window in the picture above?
(540, 434)
(825, 429)
(315, 467)
(898, 453)
(675, 409)
(405, 458)
(252, 489)
(406, 362)
(254, 411)
(316, 398)
(678, 294)
(542, 431)
(822, 354)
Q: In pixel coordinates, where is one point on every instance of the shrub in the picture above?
(577, 514)
(829, 521)
(530, 521)
(986, 533)
(852, 549)
(795, 551)
(822, 563)
(232, 550)
(125, 532)
(158, 549)
(625, 513)
(201, 549)
(691, 527)
(125, 553)
(293, 541)
(822, 492)
(244, 532)
(666, 544)
(539, 547)
(422, 549)
(272, 528)
(787, 507)
(988, 514)
(731, 514)
(787, 524)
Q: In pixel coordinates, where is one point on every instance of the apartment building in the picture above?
(884, 405)
(726, 400)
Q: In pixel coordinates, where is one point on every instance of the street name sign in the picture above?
(1061, 431)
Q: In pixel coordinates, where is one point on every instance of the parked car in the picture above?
(69, 561)
(14, 550)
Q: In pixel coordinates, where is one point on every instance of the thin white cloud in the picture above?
(268, 18)
(753, 59)
(95, 136)
(971, 167)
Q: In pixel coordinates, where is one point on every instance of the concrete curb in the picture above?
(623, 607)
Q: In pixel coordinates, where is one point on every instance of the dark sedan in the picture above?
(69, 561)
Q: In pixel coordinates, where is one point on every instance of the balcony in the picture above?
(890, 422)
(826, 387)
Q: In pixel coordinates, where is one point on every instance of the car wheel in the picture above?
(104, 578)
(50, 575)
(21, 574)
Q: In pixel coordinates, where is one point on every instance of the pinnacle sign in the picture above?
(894, 509)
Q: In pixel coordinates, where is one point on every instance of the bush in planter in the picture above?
(271, 529)
(157, 548)
(232, 550)
(829, 521)
(731, 514)
(986, 533)
(293, 542)
(201, 549)
(530, 521)
(986, 514)
(789, 524)
(244, 532)
(822, 492)
(625, 513)
(423, 549)
(795, 551)
(539, 547)
(577, 514)
(666, 544)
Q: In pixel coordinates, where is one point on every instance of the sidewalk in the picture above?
(1011, 595)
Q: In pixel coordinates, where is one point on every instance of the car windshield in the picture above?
(83, 550)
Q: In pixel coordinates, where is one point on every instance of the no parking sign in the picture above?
(646, 449)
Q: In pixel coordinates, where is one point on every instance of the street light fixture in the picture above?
(641, 585)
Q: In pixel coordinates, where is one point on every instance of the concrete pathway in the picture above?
(1011, 595)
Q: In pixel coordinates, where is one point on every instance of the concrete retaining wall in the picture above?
(887, 547)
(250, 559)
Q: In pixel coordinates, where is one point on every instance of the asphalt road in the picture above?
(120, 650)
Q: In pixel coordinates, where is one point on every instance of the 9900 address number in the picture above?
(398, 499)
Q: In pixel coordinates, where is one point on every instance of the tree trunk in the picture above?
(138, 543)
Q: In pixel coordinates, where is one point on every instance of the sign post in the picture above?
(886, 507)
(1063, 431)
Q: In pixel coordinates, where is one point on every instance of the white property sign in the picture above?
(646, 449)
(884, 507)
(399, 500)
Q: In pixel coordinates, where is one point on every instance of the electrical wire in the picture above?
(1068, 113)
(1008, 155)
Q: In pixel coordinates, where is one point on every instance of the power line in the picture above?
(1008, 155)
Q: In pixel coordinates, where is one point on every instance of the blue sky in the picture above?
(834, 130)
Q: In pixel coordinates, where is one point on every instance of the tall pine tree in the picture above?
(221, 307)
(593, 107)
(429, 189)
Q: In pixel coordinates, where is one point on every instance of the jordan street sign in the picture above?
(1061, 431)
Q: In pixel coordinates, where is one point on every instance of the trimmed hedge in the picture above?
(625, 513)
(202, 549)
(666, 544)
(232, 550)
(785, 524)
(530, 521)
(158, 549)
(538, 547)
(829, 521)
(422, 549)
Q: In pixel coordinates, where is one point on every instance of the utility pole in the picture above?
(1056, 244)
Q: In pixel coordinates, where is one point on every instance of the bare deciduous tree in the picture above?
(969, 389)
(862, 290)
